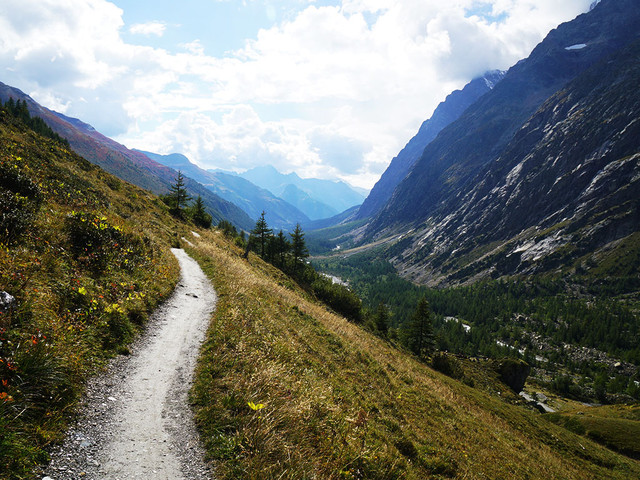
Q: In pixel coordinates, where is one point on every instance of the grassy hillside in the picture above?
(85, 256)
(616, 426)
(287, 389)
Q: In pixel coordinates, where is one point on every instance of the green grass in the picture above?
(616, 426)
(339, 402)
(86, 256)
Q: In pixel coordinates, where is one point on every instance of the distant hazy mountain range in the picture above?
(241, 192)
(286, 199)
(317, 198)
(129, 165)
(539, 173)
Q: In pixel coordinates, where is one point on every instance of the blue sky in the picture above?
(329, 89)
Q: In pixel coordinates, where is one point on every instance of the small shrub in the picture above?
(20, 201)
(93, 239)
(446, 364)
(339, 298)
(514, 372)
(407, 448)
(114, 328)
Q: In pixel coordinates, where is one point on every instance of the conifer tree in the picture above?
(298, 246)
(381, 318)
(177, 198)
(262, 232)
(420, 337)
(200, 217)
(281, 248)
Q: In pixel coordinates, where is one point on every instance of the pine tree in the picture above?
(281, 248)
(420, 337)
(381, 318)
(177, 198)
(262, 232)
(200, 217)
(298, 246)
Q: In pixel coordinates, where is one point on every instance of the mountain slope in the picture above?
(450, 162)
(504, 172)
(568, 184)
(338, 195)
(447, 111)
(286, 388)
(252, 199)
(86, 257)
(314, 209)
(126, 164)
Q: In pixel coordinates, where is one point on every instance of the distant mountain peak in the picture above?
(336, 195)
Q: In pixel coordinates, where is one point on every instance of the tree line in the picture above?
(19, 110)
(178, 200)
(289, 253)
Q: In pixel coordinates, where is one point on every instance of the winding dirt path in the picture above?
(135, 421)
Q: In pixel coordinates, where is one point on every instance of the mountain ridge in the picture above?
(241, 192)
(337, 194)
(445, 113)
(126, 164)
(437, 246)
(451, 161)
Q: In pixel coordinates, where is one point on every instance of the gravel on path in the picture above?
(135, 421)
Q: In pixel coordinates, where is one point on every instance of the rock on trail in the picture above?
(135, 421)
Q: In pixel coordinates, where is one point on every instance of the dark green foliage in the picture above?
(20, 111)
(514, 372)
(228, 228)
(338, 297)
(587, 314)
(279, 250)
(20, 201)
(289, 257)
(178, 197)
(298, 246)
(418, 334)
(198, 214)
(97, 244)
(261, 232)
(381, 319)
(445, 363)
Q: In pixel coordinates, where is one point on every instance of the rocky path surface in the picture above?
(135, 421)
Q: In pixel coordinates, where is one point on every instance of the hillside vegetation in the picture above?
(287, 389)
(85, 257)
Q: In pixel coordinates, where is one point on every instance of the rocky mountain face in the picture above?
(241, 192)
(540, 173)
(447, 111)
(129, 165)
(320, 194)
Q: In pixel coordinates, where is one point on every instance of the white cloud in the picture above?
(357, 77)
(149, 28)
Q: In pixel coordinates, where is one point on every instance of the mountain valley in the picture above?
(475, 315)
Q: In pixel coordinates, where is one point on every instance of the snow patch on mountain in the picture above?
(577, 46)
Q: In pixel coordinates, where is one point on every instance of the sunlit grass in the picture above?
(85, 266)
(341, 403)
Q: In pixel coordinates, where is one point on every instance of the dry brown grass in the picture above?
(341, 403)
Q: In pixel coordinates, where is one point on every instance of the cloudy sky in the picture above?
(326, 88)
